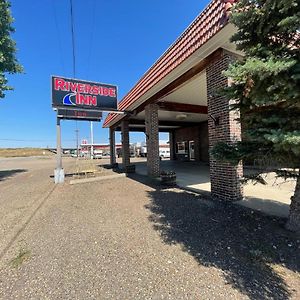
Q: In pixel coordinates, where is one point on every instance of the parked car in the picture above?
(98, 154)
(164, 153)
(143, 151)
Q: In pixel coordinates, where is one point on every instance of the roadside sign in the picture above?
(80, 115)
(75, 94)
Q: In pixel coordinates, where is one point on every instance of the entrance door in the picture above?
(192, 149)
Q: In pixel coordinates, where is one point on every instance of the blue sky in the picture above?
(116, 41)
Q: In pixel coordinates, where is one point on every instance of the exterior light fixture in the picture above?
(215, 119)
(181, 117)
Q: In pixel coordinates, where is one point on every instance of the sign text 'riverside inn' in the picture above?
(73, 94)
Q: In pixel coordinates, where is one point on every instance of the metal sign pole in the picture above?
(77, 141)
(59, 175)
(92, 141)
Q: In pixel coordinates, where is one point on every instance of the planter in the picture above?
(168, 178)
(115, 166)
(130, 169)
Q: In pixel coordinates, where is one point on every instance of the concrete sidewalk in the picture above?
(272, 199)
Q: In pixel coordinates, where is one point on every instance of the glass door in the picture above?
(192, 150)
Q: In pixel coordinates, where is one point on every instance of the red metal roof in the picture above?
(206, 25)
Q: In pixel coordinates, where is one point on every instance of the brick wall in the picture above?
(152, 139)
(203, 143)
(198, 134)
(225, 178)
(172, 145)
(125, 143)
(112, 146)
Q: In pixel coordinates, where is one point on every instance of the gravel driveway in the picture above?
(128, 238)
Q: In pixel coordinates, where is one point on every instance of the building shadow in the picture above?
(6, 174)
(188, 172)
(242, 243)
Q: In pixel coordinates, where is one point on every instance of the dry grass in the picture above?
(22, 152)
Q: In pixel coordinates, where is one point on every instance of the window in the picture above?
(181, 147)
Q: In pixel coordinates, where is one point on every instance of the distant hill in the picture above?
(22, 152)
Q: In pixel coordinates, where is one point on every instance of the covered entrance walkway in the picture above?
(272, 199)
(180, 94)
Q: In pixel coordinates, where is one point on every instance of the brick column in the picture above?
(152, 139)
(225, 178)
(112, 146)
(172, 145)
(125, 143)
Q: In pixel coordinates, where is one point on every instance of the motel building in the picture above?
(178, 95)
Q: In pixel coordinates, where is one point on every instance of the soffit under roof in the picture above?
(192, 92)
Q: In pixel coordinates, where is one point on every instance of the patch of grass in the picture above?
(20, 258)
(24, 152)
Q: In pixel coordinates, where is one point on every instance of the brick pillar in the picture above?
(125, 143)
(112, 146)
(152, 139)
(225, 178)
(172, 145)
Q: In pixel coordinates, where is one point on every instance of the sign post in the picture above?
(75, 99)
(59, 174)
(92, 141)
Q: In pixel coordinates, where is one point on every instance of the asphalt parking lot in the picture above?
(128, 238)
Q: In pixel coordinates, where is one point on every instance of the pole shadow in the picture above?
(6, 174)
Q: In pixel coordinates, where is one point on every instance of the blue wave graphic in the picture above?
(67, 99)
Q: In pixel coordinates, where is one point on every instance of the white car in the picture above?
(97, 155)
(164, 153)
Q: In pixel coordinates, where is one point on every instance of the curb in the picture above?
(93, 179)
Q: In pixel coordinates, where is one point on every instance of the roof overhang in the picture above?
(188, 75)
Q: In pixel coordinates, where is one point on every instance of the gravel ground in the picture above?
(128, 238)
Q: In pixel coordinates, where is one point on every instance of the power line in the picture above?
(88, 70)
(91, 38)
(73, 38)
(74, 61)
(58, 37)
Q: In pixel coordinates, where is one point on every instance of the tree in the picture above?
(8, 61)
(266, 86)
